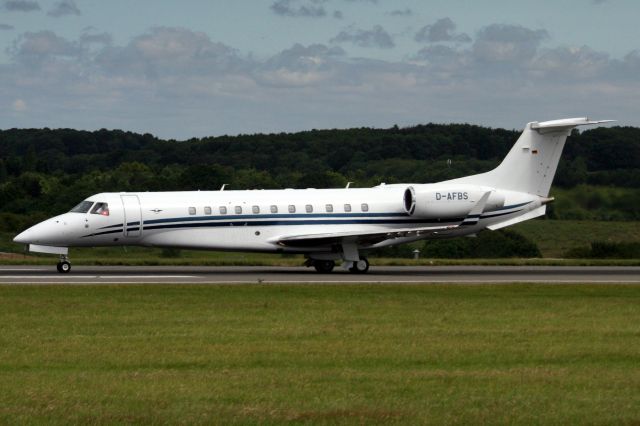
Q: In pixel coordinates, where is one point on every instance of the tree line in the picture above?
(46, 171)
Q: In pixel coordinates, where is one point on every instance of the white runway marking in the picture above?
(21, 269)
(102, 277)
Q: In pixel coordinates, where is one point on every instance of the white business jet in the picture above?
(325, 225)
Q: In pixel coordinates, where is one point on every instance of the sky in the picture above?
(213, 67)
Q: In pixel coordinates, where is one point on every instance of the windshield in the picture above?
(101, 209)
(83, 207)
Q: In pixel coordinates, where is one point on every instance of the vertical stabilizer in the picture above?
(531, 163)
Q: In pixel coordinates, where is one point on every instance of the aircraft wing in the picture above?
(358, 237)
(373, 237)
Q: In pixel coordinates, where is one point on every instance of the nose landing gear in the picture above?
(64, 266)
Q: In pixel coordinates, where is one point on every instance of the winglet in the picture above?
(474, 215)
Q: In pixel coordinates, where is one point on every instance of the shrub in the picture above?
(606, 250)
(488, 244)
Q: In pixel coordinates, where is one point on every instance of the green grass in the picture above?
(555, 237)
(325, 354)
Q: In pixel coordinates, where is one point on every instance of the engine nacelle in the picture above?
(448, 202)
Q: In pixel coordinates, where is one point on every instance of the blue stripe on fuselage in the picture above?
(273, 216)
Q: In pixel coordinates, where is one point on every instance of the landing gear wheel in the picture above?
(360, 267)
(324, 266)
(64, 267)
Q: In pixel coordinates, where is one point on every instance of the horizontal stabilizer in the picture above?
(566, 123)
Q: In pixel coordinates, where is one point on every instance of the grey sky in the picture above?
(209, 68)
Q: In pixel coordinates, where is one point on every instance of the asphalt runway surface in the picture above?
(47, 274)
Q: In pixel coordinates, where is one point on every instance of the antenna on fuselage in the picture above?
(222, 187)
(348, 183)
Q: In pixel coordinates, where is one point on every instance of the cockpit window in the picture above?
(101, 209)
(83, 207)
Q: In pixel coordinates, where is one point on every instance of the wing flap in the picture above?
(327, 238)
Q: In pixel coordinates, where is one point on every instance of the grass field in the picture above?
(321, 354)
(555, 237)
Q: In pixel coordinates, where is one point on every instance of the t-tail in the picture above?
(532, 162)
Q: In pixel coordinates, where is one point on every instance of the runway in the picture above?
(281, 275)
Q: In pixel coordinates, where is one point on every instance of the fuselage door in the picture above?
(132, 215)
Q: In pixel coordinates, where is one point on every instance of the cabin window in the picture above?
(309, 208)
(83, 207)
(292, 208)
(329, 208)
(255, 209)
(192, 210)
(223, 210)
(100, 208)
(364, 207)
(274, 209)
(238, 209)
(347, 207)
(207, 210)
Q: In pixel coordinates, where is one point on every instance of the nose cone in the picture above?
(23, 237)
(50, 232)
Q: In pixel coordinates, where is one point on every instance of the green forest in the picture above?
(44, 172)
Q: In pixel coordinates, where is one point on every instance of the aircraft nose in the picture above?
(49, 232)
(24, 237)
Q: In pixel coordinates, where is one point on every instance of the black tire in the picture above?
(324, 266)
(360, 267)
(64, 267)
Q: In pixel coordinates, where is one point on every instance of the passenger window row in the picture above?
(328, 208)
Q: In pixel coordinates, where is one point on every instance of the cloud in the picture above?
(19, 105)
(90, 38)
(6, 27)
(300, 65)
(64, 8)
(292, 8)
(443, 30)
(169, 50)
(337, 14)
(375, 37)
(38, 47)
(441, 58)
(21, 5)
(507, 43)
(181, 83)
(570, 63)
(401, 12)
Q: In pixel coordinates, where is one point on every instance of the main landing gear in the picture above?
(326, 266)
(359, 267)
(64, 266)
